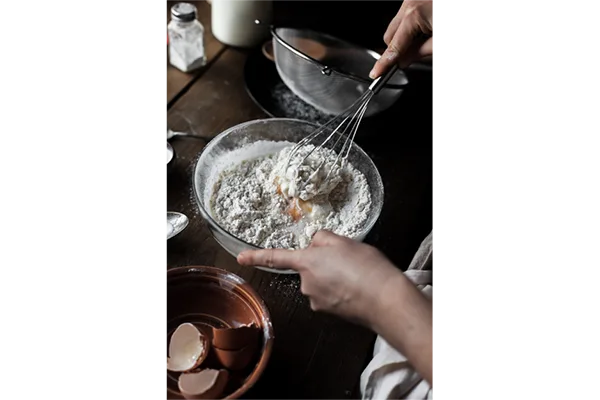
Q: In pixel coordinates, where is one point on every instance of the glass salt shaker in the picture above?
(186, 38)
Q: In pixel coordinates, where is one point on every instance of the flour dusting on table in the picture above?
(249, 202)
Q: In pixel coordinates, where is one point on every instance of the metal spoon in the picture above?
(176, 222)
(171, 134)
(188, 131)
(170, 153)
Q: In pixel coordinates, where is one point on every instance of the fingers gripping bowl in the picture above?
(228, 149)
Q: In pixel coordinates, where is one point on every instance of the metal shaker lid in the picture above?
(184, 12)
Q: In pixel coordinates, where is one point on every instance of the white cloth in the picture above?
(389, 375)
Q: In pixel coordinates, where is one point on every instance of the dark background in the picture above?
(360, 22)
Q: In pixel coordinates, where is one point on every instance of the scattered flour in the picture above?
(286, 104)
(250, 198)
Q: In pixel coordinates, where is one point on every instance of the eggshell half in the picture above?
(235, 338)
(205, 384)
(188, 348)
(235, 359)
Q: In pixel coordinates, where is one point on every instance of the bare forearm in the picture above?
(404, 320)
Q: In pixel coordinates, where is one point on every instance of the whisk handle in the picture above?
(382, 80)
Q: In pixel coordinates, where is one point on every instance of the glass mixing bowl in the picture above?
(214, 158)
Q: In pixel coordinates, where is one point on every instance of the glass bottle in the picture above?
(186, 38)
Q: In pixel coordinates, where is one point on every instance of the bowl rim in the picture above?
(327, 70)
(234, 278)
(209, 145)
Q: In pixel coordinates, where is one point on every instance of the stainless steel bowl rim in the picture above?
(328, 68)
(206, 215)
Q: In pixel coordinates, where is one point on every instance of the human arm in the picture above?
(357, 282)
(405, 320)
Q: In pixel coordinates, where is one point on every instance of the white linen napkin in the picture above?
(389, 375)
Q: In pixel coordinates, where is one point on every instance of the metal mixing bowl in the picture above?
(329, 73)
(214, 158)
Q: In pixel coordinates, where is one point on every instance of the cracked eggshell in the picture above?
(235, 359)
(204, 384)
(188, 348)
(235, 338)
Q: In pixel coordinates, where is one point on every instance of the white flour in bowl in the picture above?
(248, 200)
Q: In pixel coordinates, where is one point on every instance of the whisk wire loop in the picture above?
(347, 131)
(353, 115)
(334, 121)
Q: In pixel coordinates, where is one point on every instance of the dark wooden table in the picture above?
(315, 355)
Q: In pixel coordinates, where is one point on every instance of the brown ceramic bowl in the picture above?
(209, 298)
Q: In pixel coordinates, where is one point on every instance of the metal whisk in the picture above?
(350, 121)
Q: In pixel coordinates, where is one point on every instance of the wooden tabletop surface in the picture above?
(315, 355)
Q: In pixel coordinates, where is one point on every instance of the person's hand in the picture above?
(357, 282)
(409, 36)
(339, 275)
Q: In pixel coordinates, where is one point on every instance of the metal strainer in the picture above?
(328, 73)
